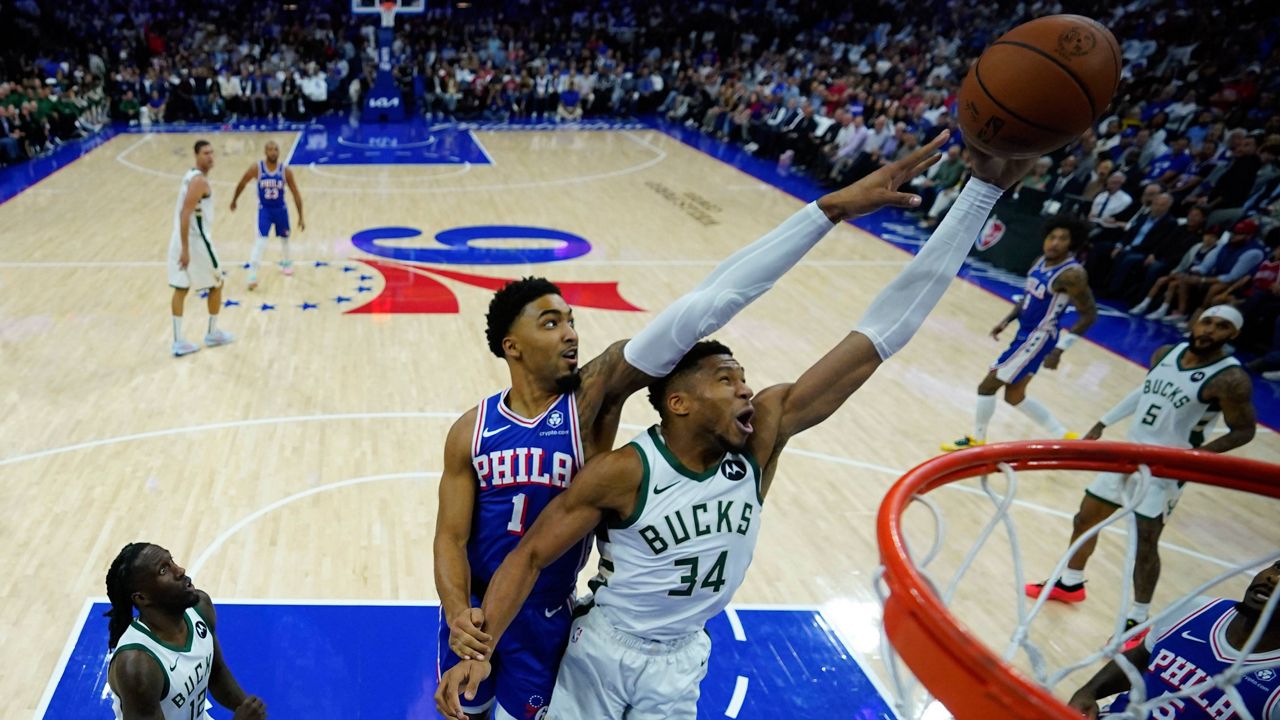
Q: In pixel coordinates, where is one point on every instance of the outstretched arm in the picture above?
(607, 483)
(893, 318)
(297, 197)
(1009, 317)
(248, 177)
(748, 274)
(1075, 283)
(1127, 406)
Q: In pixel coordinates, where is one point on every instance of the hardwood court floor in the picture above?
(301, 461)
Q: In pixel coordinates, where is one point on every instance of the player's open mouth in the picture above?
(743, 420)
(571, 356)
(1260, 595)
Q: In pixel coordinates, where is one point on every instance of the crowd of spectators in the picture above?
(1180, 179)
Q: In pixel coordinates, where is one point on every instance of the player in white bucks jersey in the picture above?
(193, 262)
(1188, 387)
(499, 457)
(682, 503)
(1190, 646)
(166, 662)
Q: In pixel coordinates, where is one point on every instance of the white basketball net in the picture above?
(388, 13)
(914, 701)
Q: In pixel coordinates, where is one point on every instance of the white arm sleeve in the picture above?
(740, 279)
(1123, 409)
(901, 307)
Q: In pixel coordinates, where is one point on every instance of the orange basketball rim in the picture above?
(958, 669)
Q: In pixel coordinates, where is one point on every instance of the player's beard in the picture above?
(1253, 615)
(569, 383)
(1209, 348)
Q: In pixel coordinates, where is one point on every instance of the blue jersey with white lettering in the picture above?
(521, 464)
(1041, 306)
(270, 186)
(1195, 649)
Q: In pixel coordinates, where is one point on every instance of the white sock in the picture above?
(255, 257)
(284, 245)
(1071, 577)
(213, 323)
(1035, 410)
(1140, 612)
(986, 410)
(1142, 306)
(177, 328)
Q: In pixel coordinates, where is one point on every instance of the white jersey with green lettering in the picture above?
(186, 669)
(201, 219)
(1172, 410)
(676, 562)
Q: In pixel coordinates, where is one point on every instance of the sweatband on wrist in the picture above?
(1066, 339)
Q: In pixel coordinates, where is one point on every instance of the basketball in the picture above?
(1039, 86)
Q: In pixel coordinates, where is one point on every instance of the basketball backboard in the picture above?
(372, 7)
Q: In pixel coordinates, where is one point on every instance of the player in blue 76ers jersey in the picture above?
(272, 176)
(1195, 644)
(1054, 281)
(507, 458)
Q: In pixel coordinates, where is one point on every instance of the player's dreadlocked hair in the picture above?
(705, 348)
(507, 304)
(120, 590)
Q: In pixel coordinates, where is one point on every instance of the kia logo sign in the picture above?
(384, 102)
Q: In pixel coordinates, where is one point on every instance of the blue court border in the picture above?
(1133, 339)
(376, 659)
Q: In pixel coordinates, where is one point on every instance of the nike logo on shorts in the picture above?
(553, 610)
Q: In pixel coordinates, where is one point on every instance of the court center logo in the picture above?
(413, 273)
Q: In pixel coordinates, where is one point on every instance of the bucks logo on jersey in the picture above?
(677, 560)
